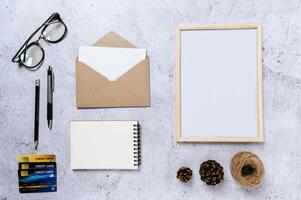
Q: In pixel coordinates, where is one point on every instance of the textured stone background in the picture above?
(149, 24)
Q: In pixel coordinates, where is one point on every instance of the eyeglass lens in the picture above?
(54, 31)
(32, 56)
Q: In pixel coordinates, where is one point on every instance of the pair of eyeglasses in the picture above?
(31, 54)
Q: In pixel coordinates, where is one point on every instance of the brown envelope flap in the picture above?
(130, 74)
(112, 39)
(94, 90)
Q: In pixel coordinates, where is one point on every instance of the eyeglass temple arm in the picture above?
(25, 43)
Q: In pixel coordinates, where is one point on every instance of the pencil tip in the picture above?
(36, 145)
(50, 124)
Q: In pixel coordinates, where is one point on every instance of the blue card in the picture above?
(37, 180)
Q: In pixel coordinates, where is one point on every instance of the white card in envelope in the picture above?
(109, 61)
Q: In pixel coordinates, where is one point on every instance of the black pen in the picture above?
(50, 89)
(36, 117)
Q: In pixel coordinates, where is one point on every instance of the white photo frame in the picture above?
(219, 96)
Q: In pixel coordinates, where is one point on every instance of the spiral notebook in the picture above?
(105, 145)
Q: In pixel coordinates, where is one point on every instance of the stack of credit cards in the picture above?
(37, 173)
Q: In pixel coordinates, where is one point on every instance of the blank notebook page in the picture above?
(103, 145)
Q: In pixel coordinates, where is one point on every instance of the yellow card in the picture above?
(36, 158)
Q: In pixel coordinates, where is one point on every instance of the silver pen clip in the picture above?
(52, 81)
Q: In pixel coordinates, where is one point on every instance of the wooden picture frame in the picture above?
(256, 131)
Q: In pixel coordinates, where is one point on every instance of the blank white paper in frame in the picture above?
(219, 83)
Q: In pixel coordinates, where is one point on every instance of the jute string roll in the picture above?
(247, 159)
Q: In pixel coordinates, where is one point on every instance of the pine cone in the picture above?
(184, 174)
(211, 172)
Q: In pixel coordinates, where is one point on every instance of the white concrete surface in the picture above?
(148, 24)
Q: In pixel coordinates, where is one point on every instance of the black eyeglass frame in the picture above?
(55, 17)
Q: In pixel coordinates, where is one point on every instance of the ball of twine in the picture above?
(247, 169)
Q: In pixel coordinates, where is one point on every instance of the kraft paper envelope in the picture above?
(131, 89)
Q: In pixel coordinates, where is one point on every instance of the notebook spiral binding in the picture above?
(137, 145)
